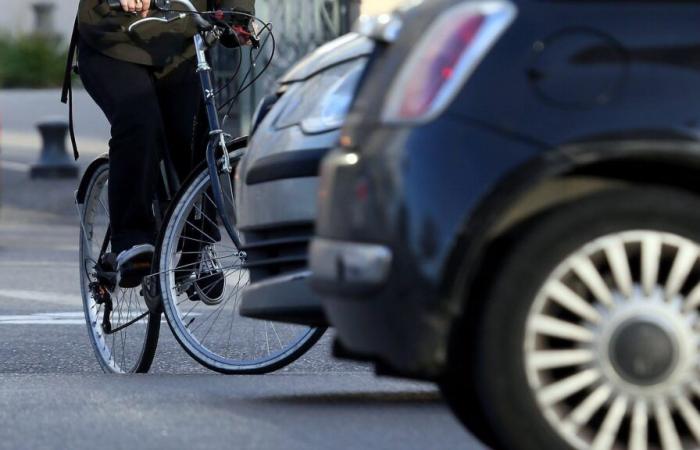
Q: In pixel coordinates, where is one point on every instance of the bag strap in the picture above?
(69, 62)
(67, 92)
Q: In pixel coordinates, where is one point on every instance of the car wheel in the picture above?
(589, 336)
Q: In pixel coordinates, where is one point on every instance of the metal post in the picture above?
(44, 18)
(54, 161)
(351, 12)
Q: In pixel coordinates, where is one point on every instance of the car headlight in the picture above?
(321, 103)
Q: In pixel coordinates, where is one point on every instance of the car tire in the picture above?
(544, 385)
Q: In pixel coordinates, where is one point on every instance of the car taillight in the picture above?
(444, 58)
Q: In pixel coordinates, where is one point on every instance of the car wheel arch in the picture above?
(558, 176)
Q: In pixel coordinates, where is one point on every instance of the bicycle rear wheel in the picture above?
(202, 274)
(122, 331)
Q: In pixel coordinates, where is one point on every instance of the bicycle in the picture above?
(200, 265)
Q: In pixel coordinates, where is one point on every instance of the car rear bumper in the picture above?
(350, 265)
(375, 325)
(362, 299)
(388, 243)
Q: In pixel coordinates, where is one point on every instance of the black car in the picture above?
(514, 212)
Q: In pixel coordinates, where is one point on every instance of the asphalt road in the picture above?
(53, 394)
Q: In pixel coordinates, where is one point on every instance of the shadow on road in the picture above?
(355, 398)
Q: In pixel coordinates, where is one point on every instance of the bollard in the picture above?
(54, 161)
(44, 18)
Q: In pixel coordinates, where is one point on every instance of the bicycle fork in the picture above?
(217, 140)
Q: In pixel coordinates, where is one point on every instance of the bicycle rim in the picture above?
(216, 335)
(129, 346)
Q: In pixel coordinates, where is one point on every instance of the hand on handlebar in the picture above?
(240, 36)
(237, 31)
(136, 6)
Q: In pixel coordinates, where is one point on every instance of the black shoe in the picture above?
(106, 272)
(134, 264)
(209, 281)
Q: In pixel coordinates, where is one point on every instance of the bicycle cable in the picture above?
(253, 61)
(245, 84)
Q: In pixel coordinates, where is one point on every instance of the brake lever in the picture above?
(243, 36)
(156, 19)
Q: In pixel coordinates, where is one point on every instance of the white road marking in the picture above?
(70, 318)
(76, 318)
(39, 296)
(33, 264)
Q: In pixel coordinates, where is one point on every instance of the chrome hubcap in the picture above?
(642, 352)
(612, 344)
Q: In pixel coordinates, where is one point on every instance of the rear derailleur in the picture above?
(105, 284)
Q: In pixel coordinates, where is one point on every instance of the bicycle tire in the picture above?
(173, 295)
(142, 343)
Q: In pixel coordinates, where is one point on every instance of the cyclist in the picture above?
(147, 86)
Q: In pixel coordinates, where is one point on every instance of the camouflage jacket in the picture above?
(159, 45)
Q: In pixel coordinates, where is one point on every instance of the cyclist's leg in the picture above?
(126, 94)
(180, 100)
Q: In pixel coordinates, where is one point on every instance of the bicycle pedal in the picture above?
(106, 273)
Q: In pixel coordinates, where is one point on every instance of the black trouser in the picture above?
(150, 118)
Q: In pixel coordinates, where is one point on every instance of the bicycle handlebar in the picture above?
(165, 5)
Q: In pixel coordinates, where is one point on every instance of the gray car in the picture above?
(277, 180)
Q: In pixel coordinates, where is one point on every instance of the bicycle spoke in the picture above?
(204, 214)
(237, 291)
(213, 322)
(105, 209)
(211, 239)
(218, 244)
(276, 334)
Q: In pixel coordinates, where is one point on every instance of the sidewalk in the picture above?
(32, 201)
(42, 201)
(21, 109)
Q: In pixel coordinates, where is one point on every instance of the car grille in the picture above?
(277, 251)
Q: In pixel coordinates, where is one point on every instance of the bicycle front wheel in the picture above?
(122, 331)
(201, 278)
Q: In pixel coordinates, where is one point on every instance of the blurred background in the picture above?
(43, 344)
(33, 42)
(34, 36)
(38, 177)
(38, 222)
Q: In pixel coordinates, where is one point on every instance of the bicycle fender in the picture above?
(87, 176)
